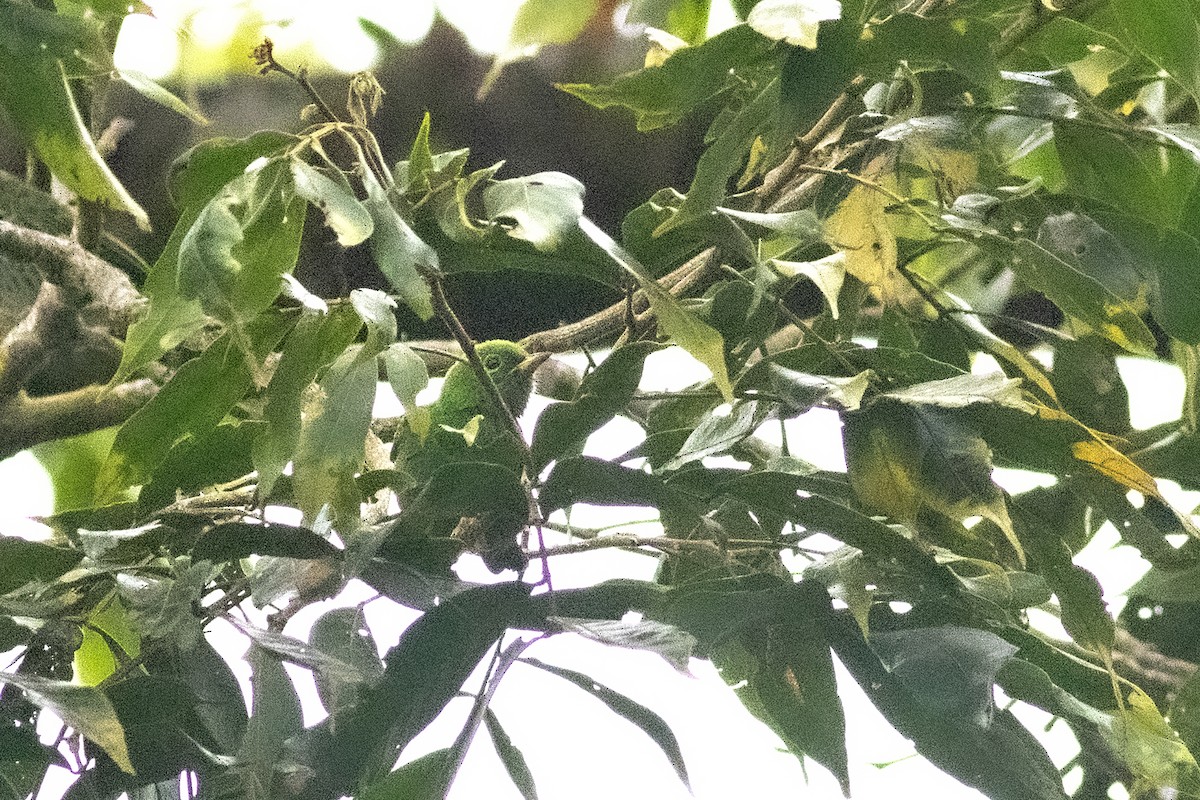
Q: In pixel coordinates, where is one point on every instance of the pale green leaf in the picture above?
(154, 91)
(84, 708)
(344, 213)
(540, 209)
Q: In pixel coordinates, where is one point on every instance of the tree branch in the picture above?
(26, 421)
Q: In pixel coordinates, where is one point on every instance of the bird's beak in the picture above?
(531, 364)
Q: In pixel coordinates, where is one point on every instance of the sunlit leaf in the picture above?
(792, 21)
(344, 214)
(538, 208)
(663, 95)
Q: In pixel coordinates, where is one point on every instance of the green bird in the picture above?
(466, 426)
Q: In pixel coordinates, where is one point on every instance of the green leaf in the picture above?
(420, 160)
(563, 428)
(1151, 749)
(243, 241)
(799, 391)
(164, 608)
(196, 398)
(342, 634)
(1002, 759)
(948, 669)
(778, 493)
(344, 213)
(155, 92)
(663, 95)
(24, 762)
(399, 252)
(424, 671)
(964, 390)
(221, 455)
(1084, 613)
(686, 19)
(217, 696)
(1141, 178)
(196, 177)
(35, 93)
(329, 450)
(683, 327)
(312, 345)
(170, 740)
(25, 561)
(421, 779)
(408, 375)
(651, 724)
(511, 756)
(725, 156)
(541, 22)
(1082, 297)
(964, 44)
(275, 716)
(716, 434)
(1164, 31)
(592, 480)
(231, 541)
(540, 209)
(827, 274)
(84, 708)
(470, 488)
(310, 656)
(674, 645)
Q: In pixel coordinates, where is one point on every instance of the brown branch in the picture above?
(89, 284)
(693, 275)
(26, 421)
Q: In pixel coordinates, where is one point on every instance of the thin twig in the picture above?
(264, 56)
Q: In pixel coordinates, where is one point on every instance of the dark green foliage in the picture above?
(866, 221)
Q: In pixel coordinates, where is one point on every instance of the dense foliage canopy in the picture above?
(888, 191)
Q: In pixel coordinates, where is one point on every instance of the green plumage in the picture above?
(466, 426)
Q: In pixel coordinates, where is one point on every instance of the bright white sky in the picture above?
(151, 44)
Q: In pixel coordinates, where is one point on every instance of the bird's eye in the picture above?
(491, 363)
